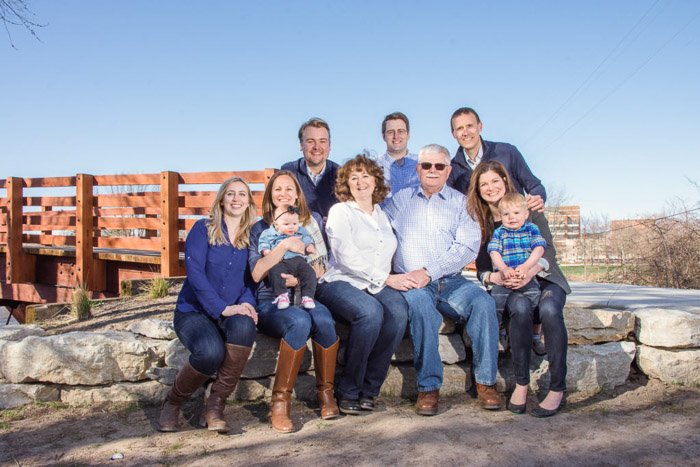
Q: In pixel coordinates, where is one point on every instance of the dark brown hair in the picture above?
(476, 205)
(396, 116)
(268, 209)
(463, 111)
(360, 163)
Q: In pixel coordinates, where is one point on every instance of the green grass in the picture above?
(81, 307)
(580, 272)
(157, 288)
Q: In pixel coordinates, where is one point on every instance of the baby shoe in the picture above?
(282, 301)
(308, 303)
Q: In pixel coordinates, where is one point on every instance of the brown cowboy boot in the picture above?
(224, 384)
(186, 382)
(288, 364)
(324, 366)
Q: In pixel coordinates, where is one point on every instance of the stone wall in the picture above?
(139, 364)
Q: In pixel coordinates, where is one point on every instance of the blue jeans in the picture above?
(377, 325)
(206, 338)
(295, 325)
(465, 303)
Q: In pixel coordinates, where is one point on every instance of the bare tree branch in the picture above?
(18, 13)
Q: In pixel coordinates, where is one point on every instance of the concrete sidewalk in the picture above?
(633, 297)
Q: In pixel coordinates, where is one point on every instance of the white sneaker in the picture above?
(308, 303)
(282, 301)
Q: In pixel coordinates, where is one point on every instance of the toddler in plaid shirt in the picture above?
(515, 247)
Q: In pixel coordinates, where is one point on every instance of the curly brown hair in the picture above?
(360, 163)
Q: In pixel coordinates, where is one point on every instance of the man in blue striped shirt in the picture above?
(436, 239)
(398, 163)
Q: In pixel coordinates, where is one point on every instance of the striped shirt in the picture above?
(515, 246)
(435, 233)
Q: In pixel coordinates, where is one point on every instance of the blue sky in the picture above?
(601, 97)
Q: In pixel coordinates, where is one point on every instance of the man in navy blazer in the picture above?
(315, 173)
(466, 129)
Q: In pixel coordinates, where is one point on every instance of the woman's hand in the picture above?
(245, 309)
(294, 244)
(400, 282)
(289, 280)
(496, 278)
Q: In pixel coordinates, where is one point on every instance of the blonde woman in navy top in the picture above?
(215, 314)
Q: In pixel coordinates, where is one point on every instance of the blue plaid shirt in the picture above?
(400, 173)
(515, 246)
(434, 233)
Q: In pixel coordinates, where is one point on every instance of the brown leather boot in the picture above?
(224, 384)
(324, 366)
(288, 364)
(186, 382)
(488, 397)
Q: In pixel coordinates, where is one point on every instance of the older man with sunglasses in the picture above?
(436, 239)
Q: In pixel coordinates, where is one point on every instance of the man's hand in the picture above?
(535, 203)
(400, 282)
(420, 277)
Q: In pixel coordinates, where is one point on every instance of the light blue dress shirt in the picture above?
(435, 233)
(400, 173)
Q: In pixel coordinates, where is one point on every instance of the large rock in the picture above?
(149, 392)
(591, 368)
(18, 332)
(401, 380)
(450, 346)
(153, 328)
(659, 327)
(672, 366)
(597, 325)
(17, 395)
(262, 361)
(75, 358)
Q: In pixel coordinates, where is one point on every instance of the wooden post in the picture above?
(19, 265)
(169, 252)
(84, 229)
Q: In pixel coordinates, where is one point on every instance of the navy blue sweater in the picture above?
(319, 197)
(520, 174)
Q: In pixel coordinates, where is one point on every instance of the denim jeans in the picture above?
(295, 325)
(206, 338)
(377, 325)
(465, 303)
(551, 313)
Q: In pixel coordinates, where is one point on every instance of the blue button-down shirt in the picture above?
(400, 173)
(217, 276)
(435, 233)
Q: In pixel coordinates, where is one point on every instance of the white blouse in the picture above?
(361, 245)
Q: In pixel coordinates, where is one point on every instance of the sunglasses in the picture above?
(429, 165)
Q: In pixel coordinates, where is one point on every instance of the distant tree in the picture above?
(18, 13)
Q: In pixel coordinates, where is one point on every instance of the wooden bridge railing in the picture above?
(104, 217)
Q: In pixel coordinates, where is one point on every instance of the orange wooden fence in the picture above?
(60, 232)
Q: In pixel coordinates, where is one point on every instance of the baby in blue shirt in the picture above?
(285, 225)
(515, 248)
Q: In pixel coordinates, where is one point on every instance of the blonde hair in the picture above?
(512, 199)
(215, 231)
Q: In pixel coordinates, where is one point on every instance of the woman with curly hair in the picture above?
(358, 287)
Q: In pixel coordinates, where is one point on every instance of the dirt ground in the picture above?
(644, 422)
